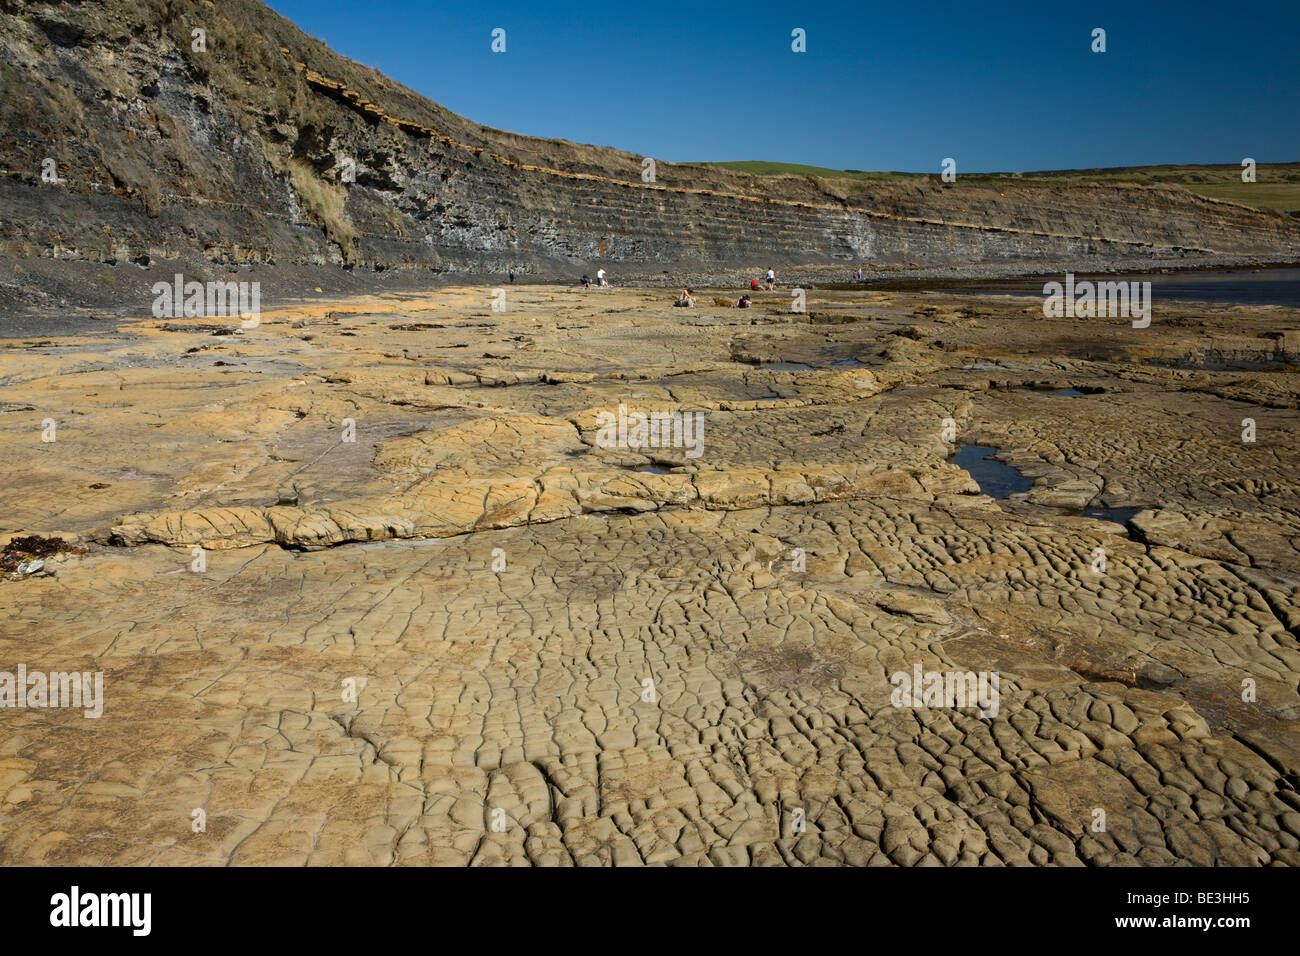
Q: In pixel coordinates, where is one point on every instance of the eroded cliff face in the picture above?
(244, 152)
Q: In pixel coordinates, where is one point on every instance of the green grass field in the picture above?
(760, 168)
(1277, 185)
(1284, 197)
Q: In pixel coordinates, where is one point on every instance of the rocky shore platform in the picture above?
(377, 582)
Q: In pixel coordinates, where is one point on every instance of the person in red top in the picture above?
(753, 284)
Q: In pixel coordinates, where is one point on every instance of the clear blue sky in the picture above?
(900, 85)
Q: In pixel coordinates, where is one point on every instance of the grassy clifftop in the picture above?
(1277, 185)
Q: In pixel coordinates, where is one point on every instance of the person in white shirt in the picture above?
(600, 277)
(771, 280)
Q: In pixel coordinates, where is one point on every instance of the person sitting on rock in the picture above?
(687, 298)
(753, 285)
(745, 302)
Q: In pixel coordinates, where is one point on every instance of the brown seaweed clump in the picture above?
(31, 547)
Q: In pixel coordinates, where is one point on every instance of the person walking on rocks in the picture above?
(859, 273)
(600, 278)
(771, 280)
(512, 273)
(586, 281)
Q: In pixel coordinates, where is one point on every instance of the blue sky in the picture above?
(997, 86)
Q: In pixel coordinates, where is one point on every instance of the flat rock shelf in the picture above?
(369, 577)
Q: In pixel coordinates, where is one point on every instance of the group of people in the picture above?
(600, 279)
(687, 297)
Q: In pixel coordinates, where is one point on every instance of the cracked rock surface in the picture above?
(368, 585)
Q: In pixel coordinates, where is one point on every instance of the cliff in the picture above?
(241, 153)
